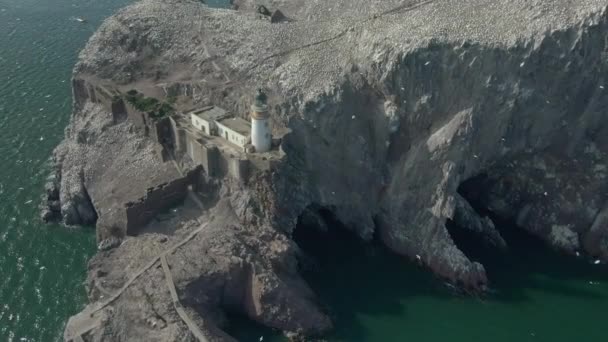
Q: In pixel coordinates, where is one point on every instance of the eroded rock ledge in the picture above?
(401, 116)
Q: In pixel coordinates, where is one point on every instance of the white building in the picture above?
(215, 121)
(261, 132)
(205, 119)
(235, 130)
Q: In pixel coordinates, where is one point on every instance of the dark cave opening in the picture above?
(354, 278)
(472, 190)
(475, 246)
(322, 239)
(246, 330)
(526, 255)
(519, 242)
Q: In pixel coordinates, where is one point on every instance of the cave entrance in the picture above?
(352, 277)
(473, 190)
(527, 258)
(474, 245)
(324, 240)
(504, 268)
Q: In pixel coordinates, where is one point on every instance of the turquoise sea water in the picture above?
(42, 267)
(372, 296)
(537, 295)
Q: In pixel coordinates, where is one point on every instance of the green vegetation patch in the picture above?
(155, 108)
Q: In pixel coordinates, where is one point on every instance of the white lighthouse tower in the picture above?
(261, 133)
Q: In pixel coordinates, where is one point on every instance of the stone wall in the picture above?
(217, 163)
(161, 132)
(226, 164)
(211, 162)
(83, 91)
(179, 136)
(139, 119)
(119, 110)
(208, 156)
(159, 199)
(238, 168)
(196, 151)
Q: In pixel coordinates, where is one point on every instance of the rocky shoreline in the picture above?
(398, 117)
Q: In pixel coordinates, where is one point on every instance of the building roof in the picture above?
(238, 125)
(210, 113)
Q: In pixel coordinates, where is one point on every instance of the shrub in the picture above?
(150, 105)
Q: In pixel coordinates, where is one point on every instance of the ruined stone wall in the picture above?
(84, 91)
(231, 165)
(215, 162)
(139, 119)
(162, 132)
(196, 151)
(239, 169)
(158, 199)
(79, 94)
(119, 110)
(208, 156)
(179, 136)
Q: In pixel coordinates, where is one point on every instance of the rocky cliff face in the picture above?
(403, 116)
(420, 114)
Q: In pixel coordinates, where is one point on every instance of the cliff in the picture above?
(403, 116)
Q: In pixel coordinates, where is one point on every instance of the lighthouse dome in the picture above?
(260, 104)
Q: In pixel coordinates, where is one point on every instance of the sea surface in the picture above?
(371, 295)
(42, 267)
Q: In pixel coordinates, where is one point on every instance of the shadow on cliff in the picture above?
(361, 284)
(528, 264)
(356, 280)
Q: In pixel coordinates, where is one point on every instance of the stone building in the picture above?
(235, 130)
(215, 121)
(204, 119)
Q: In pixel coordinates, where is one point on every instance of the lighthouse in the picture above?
(261, 133)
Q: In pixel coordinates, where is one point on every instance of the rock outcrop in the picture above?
(403, 116)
